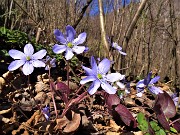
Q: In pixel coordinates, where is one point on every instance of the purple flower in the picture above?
(27, 59)
(118, 48)
(115, 45)
(175, 98)
(49, 62)
(98, 75)
(68, 43)
(149, 83)
(46, 113)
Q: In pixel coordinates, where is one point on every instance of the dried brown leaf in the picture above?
(2, 83)
(5, 111)
(41, 97)
(5, 120)
(72, 85)
(112, 133)
(114, 126)
(40, 86)
(61, 123)
(73, 124)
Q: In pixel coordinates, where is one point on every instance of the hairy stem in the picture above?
(52, 93)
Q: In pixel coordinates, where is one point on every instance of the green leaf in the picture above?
(173, 130)
(160, 132)
(141, 118)
(154, 126)
(143, 124)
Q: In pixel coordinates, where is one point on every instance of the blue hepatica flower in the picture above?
(115, 46)
(98, 75)
(68, 43)
(118, 48)
(27, 59)
(46, 113)
(149, 83)
(50, 62)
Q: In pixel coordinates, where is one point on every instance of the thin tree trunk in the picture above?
(82, 13)
(103, 32)
(131, 29)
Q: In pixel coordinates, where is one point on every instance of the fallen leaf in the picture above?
(73, 124)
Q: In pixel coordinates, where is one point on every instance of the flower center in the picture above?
(70, 45)
(99, 76)
(28, 58)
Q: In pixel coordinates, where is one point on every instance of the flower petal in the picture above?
(89, 72)
(15, 65)
(148, 79)
(104, 66)
(114, 77)
(139, 94)
(70, 33)
(59, 36)
(80, 39)
(28, 68)
(88, 79)
(40, 54)
(108, 88)
(94, 65)
(38, 63)
(155, 90)
(86, 49)
(69, 54)
(123, 53)
(59, 48)
(116, 46)
(15, 54)
(154, 80)
(53, 62)
(140, 84)
(78, 49)
(176, 101)
(94, 86)
(28, 49)
(121, 85)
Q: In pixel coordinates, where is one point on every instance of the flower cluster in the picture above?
(68, 44)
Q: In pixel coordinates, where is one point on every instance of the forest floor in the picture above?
(21, 107)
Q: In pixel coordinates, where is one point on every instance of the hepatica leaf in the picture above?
(111, 100)
(126, 116)
(167, 105)
(164, 108)
(142, 122)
